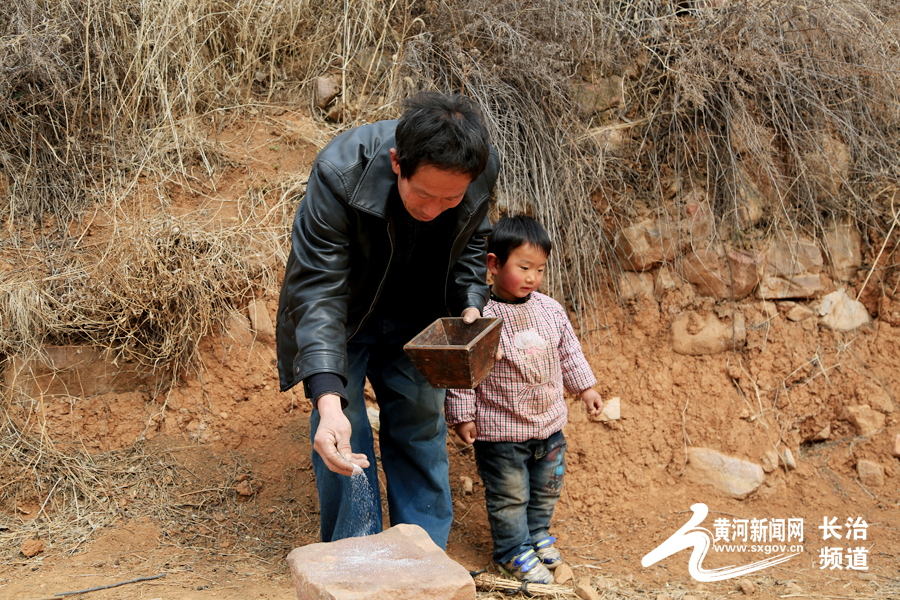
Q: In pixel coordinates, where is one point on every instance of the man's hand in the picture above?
(466, 431)
(332, 440)
(470, 314)
(592, 402)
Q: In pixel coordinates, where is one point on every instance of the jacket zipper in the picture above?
(380, 285)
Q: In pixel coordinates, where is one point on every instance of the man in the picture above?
(390, 236)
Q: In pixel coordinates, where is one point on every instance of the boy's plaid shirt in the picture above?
(522, 398)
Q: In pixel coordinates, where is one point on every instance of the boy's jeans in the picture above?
(413, 443)
(522, 482)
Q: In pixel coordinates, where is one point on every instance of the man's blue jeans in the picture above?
(413, 443)
(522, 482)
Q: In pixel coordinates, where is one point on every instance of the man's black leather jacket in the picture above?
(341, 247)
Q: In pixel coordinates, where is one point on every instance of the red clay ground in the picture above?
(233, 490)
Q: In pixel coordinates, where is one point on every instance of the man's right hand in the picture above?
(332, 440)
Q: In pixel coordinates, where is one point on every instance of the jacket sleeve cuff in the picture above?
(317, 385)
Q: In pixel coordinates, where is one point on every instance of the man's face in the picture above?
(430, 191)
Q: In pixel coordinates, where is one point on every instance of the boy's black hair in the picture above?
(511, 232)
(442, 130)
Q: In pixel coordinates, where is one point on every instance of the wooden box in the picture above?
(452, 354)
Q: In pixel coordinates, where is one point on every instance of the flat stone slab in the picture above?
(401, 563)
(733, 476)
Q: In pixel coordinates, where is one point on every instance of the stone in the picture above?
(663, 283)
(866, 420)
(769, 309)
(840, 312)
(843, 245)
(374, 417)
(870, 473)
(401, 563)
(787, 459)
(770, 460)
(733, 476)
(828, 165)
(823, 434)
(798, 286)
(798, 313)
(748, 587)
(75, 371)
(261, 322)
(584, 589)
(694, 334)
(663, 597)
(237, 327)
(611, 410)
(327, 89)
(791, 588)
(32, 547)
(335, 114)
(751, 204)
(467, 485)
(594, 98)
(876, 396)
(604, 584)
(723, 275)
(868, 577)
(636, 286)
(895, 451)
(645, 244)
(790, 257)
(563, 573)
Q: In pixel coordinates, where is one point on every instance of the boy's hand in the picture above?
(470, 314)
(466, 431)
(592, 401)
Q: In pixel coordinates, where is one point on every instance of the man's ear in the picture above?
(394, 164)
(493, 263)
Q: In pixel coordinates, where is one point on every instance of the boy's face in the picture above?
(430, 191)
(521, 274)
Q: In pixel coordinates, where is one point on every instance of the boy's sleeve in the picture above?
(576, 372)
(459, 407)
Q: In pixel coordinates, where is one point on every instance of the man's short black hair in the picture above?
(511, 232)
(442, 130)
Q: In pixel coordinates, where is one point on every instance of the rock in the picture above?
(335, 114)
(769, 309)
(694, 334)
(748, 587)
(799, 312)
(401, 563)
(733, 476)
(770, 460)
(828, 165)
(723, 275)
(689, 597)
(32, 547)
(798, 286)
(327, 89)
(663, 282)
(843, 245)
(563, 573)
(594, 98)
(787, 459)
(895, 451)
(611, 410)
(261, 322)
(636, 286)
(604, 584)
(584, 589)
(663, 597)
(374, 416)
(840, 312)
(868, 576)
(823, 435)
(791, 588)
(467, 485)
(645, 244)
(870, 473)
(791, 257)
(866, 420)
(751, 204)
(868, 392)
(237, 327)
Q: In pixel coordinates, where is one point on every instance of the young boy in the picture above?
(515, 416)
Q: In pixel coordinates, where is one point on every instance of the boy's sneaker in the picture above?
(549, 555)
(527, 567)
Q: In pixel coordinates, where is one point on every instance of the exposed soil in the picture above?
(233, 492)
